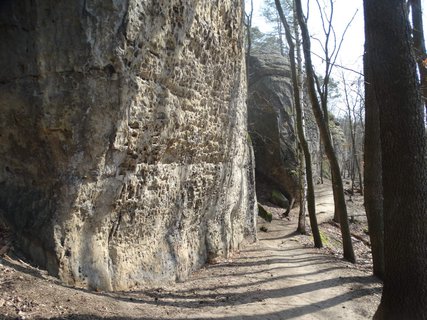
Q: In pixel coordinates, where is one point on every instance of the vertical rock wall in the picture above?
(124, 155)
(271, 123)
(272, 126)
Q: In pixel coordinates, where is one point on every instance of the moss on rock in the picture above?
(263, 213)
(279, 199)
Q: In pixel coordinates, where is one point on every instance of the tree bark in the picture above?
(419, 45)
(337, 185)
(303, 194)
(248, 26)
(373, 174)
(311, 204)
(392, 71)
(354, 160)
(321, 159)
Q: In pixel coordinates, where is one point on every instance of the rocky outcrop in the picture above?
(124, 157)
(271, 123)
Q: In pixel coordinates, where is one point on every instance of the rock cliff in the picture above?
(124, 155)
(271, 122)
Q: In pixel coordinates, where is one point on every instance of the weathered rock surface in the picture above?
(271, 124)
(124, 156)
(279, 199)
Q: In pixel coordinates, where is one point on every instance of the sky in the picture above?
(351, 54)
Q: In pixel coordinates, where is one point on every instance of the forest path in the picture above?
(274, 278)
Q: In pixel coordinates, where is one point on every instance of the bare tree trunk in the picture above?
(373, 173)
(321, 160)
(303, 169)
(392, 71)
(359, 170)
(338, 190)
(298, 107)
(282, 45)
(355, 165)
(352, 171)
(248, 24)
(353, 129)
(301, 217)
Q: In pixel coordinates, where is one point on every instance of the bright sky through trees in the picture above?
(352, 50)
(351, 54)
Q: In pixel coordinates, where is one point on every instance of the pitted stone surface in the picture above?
(124, 157)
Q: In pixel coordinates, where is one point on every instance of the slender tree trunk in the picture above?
(338, 190)
(301, 217)
(303, 194)
(355, 164)
(362, 127)
(337, 217)
(298, 107)
(359, 172)
(282, 45)
(353, 129)
(352, 160)
(321, 159)
(303, 169)
(392, 71)
(248, 25)
(373, 173)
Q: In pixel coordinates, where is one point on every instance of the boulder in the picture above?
(124, 158)
(279, 199)
(264, 213)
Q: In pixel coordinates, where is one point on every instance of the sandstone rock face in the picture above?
(271, 123)
(124, 157)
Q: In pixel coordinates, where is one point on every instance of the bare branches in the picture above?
(342, 39)
(248, 24)
(336, 64)
(248, 21)
(331, 46)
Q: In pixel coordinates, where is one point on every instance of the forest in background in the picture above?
(381, 112)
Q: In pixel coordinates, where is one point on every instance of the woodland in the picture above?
(385, 131)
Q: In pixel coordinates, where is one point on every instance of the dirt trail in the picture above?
(275, 278)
